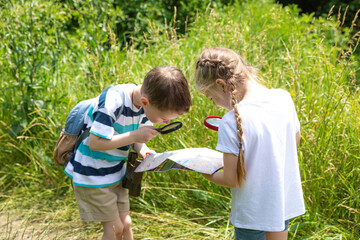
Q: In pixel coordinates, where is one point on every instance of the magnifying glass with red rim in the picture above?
(212, 122)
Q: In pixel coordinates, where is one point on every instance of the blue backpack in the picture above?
(73, 133)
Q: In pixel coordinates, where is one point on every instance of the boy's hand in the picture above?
(145, 134)
(145, 153)
(143, 150)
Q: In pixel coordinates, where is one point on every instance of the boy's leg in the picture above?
(102, 205)
(123, 207)
(113, 230)
(126, 222)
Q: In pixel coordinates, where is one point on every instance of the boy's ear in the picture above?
(144, 101)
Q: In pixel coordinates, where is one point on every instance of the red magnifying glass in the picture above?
(212, 122)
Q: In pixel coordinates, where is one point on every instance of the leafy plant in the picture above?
(30, 47)
(77, 52)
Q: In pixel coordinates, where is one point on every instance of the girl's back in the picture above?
(272, 191)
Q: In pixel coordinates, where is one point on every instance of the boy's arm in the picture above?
(141, 135)
(227, 177)
(143, 150)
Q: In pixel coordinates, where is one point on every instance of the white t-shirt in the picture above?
(272, 190)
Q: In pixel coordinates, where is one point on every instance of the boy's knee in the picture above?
(112, 229)
(126, 223)
(118, 230)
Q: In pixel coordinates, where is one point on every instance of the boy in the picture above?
(122, 116)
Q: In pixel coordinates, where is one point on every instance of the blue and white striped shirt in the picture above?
(110, 114)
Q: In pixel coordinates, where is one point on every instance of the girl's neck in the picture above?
(252, 89)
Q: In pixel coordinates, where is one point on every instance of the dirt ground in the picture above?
(15, 228)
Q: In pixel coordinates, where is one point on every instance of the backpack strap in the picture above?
(86, 133)
(82, 136)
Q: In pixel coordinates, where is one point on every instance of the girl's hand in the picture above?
(228, 176)
(207, 176)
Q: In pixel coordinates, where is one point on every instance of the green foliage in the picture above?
(60, 53)
(130, 20)
(30, 52)
(323, 7)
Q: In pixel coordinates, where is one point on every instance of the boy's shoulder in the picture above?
(123, 87)
(114, 97)
(119, 89)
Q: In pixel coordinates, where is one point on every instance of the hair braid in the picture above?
(241, 159)
(222, 63)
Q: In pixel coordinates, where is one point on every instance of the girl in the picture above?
(258, 137)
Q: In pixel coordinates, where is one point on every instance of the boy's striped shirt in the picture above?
(110, 114)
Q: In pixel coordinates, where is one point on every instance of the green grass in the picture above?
(46, 70)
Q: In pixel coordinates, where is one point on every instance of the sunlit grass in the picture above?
(303, 55)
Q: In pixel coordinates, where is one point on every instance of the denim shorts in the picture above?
(249, 234)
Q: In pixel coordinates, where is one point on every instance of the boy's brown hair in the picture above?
(167, 89)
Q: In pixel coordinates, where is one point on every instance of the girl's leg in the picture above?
(249, 234)
(113, 230)
(277, 235)
(126, 222)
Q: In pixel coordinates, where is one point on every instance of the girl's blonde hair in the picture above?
(222, 63)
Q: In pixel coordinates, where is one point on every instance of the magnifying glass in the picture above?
(169, 128)
(212, 122)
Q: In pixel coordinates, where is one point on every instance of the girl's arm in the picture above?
(141, 135)
(298, 136)
(227, 177)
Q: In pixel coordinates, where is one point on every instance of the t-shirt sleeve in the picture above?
(227, 135)
(109, 105)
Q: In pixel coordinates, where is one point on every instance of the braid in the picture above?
(241, 159)
(215, 67)
(222, 63)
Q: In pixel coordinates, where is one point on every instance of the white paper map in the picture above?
(202, 160)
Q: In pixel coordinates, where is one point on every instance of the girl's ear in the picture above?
(222, 85)
(144, 101)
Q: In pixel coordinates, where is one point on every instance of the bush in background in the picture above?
(61, 63)
(323, 7)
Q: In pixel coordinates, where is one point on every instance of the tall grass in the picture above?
(309, 57)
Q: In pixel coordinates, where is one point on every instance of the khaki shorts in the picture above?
(101, 204)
